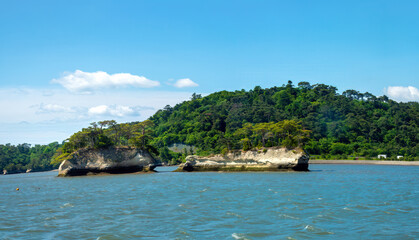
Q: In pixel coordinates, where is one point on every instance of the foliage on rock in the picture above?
(105, 134)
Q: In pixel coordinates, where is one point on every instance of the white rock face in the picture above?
(112, 160)
(270, 159)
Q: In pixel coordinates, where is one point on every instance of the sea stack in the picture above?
(267, 159)
(110, 160)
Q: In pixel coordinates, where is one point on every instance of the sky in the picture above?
(65, 64)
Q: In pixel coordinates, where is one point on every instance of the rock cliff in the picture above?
(269, 159)
(111, 160)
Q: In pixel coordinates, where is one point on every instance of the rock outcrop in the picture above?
(111, 160)
(269, 159)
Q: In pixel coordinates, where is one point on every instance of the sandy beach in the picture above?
(365, 162)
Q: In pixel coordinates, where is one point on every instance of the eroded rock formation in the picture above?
(111, 160)
(269, 159)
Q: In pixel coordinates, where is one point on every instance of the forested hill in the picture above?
(23, 157)
(317, 118)
(342, 125)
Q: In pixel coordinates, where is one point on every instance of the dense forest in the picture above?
(326, 124)
(23, 157)
(347, 125)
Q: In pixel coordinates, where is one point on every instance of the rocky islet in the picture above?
(111, 160)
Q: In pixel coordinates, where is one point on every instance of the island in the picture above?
(268, 159)
(111, 160)
(328, 125)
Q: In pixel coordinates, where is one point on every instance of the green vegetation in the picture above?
(287, 133)
(16, 159)
(328, 125)
(341, 125)
(109, 133)
(106, 134)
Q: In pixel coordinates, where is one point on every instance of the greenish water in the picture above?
(330, 202)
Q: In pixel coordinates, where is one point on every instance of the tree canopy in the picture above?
(314, 117)
(20, 158)
(339, 125)
(106, 134)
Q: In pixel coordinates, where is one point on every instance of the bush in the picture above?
(224, 151)
(103, 142)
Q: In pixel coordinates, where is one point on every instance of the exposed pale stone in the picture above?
(111, 160)
(269, 159)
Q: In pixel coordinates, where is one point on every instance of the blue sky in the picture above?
(60, 60)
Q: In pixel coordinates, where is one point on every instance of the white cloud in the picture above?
(61, 113)
(98, 110)
(86, 82)
(185, 82)
(53, 108)
(403, 94)
(115, 110)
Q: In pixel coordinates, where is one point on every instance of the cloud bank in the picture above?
(403, 94)
(30, 115)
(115, 110)
(87, 82)
(53, 108)
(185, 82)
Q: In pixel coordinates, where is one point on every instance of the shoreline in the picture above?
(366, 162)
(13, 173)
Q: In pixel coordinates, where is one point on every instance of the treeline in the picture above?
(105, 134)
(109, 133)
(23, 157)
(341, 125)
(316, 117)
(287, 133)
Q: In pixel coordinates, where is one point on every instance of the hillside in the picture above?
(341, 125)
(23, 157)
(326, 124)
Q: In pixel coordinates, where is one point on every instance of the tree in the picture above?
(283, 98)
(262, 131)
(196, 96)
(305, 85)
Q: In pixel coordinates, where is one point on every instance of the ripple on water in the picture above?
(310, 231)
(234, 214)
(239, 236)
(286, 216)
(67, 205)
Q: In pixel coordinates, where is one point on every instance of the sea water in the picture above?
(329, 202)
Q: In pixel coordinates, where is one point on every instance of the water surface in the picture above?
(330, 202)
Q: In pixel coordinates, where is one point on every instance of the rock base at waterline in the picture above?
(269, 159)
(111, 161)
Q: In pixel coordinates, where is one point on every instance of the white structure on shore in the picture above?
(382, 156)
(399, 157)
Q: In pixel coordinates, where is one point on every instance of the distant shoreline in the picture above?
(365, 162)
(13, 173)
